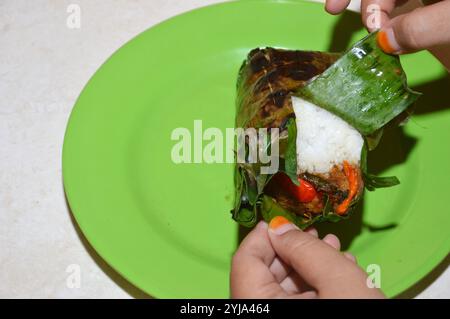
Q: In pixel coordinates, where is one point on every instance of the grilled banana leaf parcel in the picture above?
(329, 110)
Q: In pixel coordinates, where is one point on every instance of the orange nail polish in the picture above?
(278, 221)
(383, 42)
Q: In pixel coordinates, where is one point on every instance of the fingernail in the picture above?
(387, 42)
(262, 224)
(280, 225)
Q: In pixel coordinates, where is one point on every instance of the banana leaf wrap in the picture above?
(366, 87)
(267, 81)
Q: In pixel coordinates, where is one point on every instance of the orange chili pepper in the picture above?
(352, 177)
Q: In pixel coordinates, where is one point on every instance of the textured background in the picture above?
(43, 67)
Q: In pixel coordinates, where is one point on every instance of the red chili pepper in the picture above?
(304, 193)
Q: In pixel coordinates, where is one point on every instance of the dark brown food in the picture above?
(270, 79)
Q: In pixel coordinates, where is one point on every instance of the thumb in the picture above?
(423, 28)
(320, 265)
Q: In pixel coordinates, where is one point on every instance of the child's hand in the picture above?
(281, 261)
(423, 28)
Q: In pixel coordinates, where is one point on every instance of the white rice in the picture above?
(323, 139)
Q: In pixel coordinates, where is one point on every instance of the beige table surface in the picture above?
(43, 67)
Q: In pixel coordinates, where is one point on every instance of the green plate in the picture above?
(166, 227)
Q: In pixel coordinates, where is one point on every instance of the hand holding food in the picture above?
(425, 27)
(281, 261)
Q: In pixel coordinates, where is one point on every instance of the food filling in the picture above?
(328, 163)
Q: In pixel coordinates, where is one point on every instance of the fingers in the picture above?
(317, 262)
(279, 269)
(423, 28)
(336, 6)
(333, 241)
(256, 245)
(250, 274)
(292, 284)
(288, 279)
